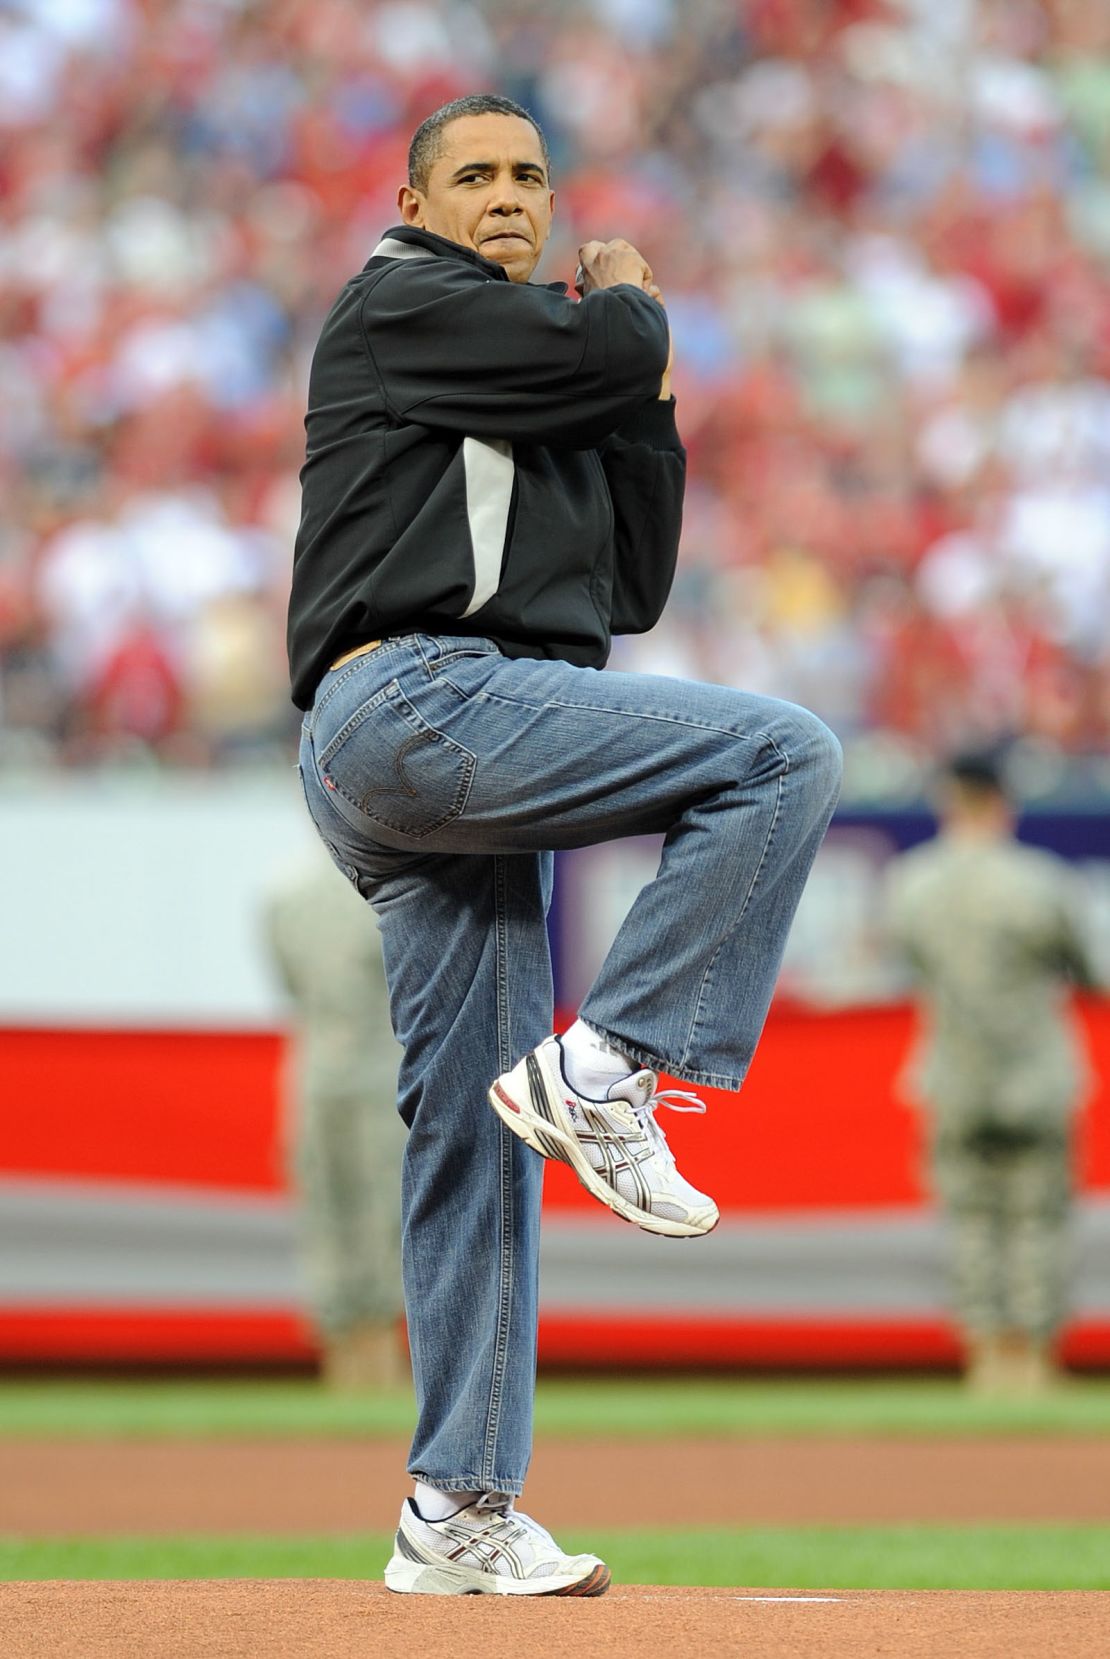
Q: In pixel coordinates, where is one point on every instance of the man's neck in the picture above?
(976, 828)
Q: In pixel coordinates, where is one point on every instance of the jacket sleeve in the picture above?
(457, 350)
(645, 466)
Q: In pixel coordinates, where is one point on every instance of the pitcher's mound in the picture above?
(339, 1619)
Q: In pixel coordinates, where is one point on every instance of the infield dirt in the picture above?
(59, 1488)
(328, 1619)
(52, 1488)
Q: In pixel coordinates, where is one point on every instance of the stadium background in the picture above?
(883, 231)
(883, 228)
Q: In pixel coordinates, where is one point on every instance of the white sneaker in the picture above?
(487, 1549)
(614, 1146)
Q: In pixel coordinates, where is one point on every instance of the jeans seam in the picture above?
(663, 720)
(504, 1193)
(625, 714)
(783, 774)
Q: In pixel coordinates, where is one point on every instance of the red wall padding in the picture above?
(193, 1107)
(818, 1123)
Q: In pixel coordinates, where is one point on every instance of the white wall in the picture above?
(135, 901)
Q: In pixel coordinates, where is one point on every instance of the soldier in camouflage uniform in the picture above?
(988, 928)
(344, 1140)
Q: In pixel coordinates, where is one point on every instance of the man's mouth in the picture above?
(505, 236)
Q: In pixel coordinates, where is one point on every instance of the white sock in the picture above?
(435, 1505)
(591, 1063)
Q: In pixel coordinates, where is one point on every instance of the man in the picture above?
(988, 928)
(342, 1135)
(494, 485)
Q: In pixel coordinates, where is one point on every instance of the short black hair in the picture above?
(427, 139)
(980, 771)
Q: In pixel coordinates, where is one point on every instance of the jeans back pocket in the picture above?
(391, 765)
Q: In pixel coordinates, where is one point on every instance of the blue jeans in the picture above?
(441, 775)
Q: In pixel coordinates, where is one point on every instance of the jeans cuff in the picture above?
(656, 1062)
(470, 1483)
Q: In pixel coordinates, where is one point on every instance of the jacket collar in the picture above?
(407, 242)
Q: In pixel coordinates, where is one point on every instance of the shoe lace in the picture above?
(495, 1503)
(502, 1505)
(675, 1100)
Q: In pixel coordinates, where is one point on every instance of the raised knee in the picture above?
(816, 752)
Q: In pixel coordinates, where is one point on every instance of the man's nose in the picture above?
(506, 196)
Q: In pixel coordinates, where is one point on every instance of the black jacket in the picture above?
(484, 457)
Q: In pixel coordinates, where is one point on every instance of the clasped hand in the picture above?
(605, 264)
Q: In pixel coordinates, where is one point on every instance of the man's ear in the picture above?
(411, 206)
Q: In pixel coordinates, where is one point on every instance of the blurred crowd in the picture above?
(883, 232)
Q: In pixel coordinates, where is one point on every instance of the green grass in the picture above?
(1050, 1556)
(891, 1557)
(602, 1406)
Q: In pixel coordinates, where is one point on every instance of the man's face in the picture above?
(487, 190)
